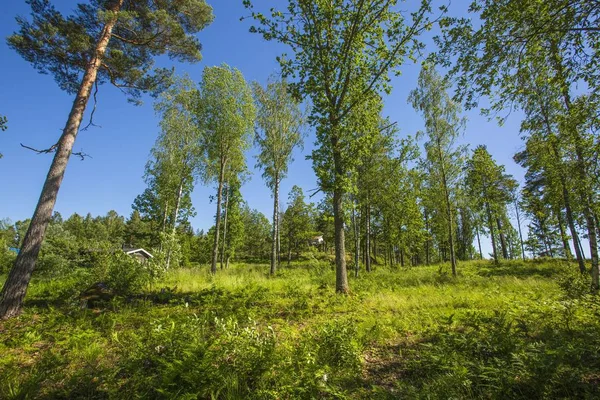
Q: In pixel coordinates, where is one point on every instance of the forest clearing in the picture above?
(518, 330)
(325, 199)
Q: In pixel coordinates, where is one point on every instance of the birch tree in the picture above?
(226, 113)
(177, 159)
(515, 47)
(443, 124)
(278, 131)
(342, 53)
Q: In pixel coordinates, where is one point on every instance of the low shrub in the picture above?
(122, 273)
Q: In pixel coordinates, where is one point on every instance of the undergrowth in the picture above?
(518, 330)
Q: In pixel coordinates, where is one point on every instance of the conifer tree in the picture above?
(103, 41)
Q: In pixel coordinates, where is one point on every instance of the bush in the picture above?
(53, 264)
(7, 258)
(122, 273)
(575, 285)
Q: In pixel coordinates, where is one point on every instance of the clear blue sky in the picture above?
(37, 110)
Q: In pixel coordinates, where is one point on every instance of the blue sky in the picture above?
(112, 178)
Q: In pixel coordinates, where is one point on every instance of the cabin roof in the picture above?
(138, 251)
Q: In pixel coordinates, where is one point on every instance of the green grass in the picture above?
(519, 330)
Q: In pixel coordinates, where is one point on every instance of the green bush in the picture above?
(53, 264)
(575, 285)
(124, 274)
(7, 258)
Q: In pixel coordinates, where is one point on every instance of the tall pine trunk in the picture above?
(584, 189)
(356, 241)
(565, 194)
(15, 287)
(448, 212)
(563, 236)
(427, 256)
(502, 239)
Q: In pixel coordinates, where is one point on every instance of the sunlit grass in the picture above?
(261, 336)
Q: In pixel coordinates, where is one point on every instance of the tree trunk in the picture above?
(449, 215)
(385, 256)
(519, 226)
(563, 236)
(375, 250)
(175, 215)
(274, 246)
(356, 241)
(224, 245)
(502, 239)
(402, 257)
(368, 236)
(215, 251)
(584, 189)
(566, 197)
(492, 236)
(341, 275)
(165, 217)
(427, 257)
(164, 225)
(289, 250)
(278, 234)
(16, 284)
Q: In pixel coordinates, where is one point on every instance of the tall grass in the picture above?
(518, 330)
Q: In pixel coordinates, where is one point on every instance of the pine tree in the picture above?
(104, 41)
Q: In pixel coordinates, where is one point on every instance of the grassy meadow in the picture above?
(518, 330)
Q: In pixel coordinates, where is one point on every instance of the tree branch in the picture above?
(91, 123)
(52, 149)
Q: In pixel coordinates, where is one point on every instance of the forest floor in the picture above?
(519, 330)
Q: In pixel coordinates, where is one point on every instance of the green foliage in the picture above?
(279, 122)
(518, 330)
(122, 273)
(342, 53)
(490, 190)
(7, 257)
(174, 165)
(63, 46)
(444, 161)
(297, 223)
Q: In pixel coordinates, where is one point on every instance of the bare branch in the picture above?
(52, 149)
(91, 123)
